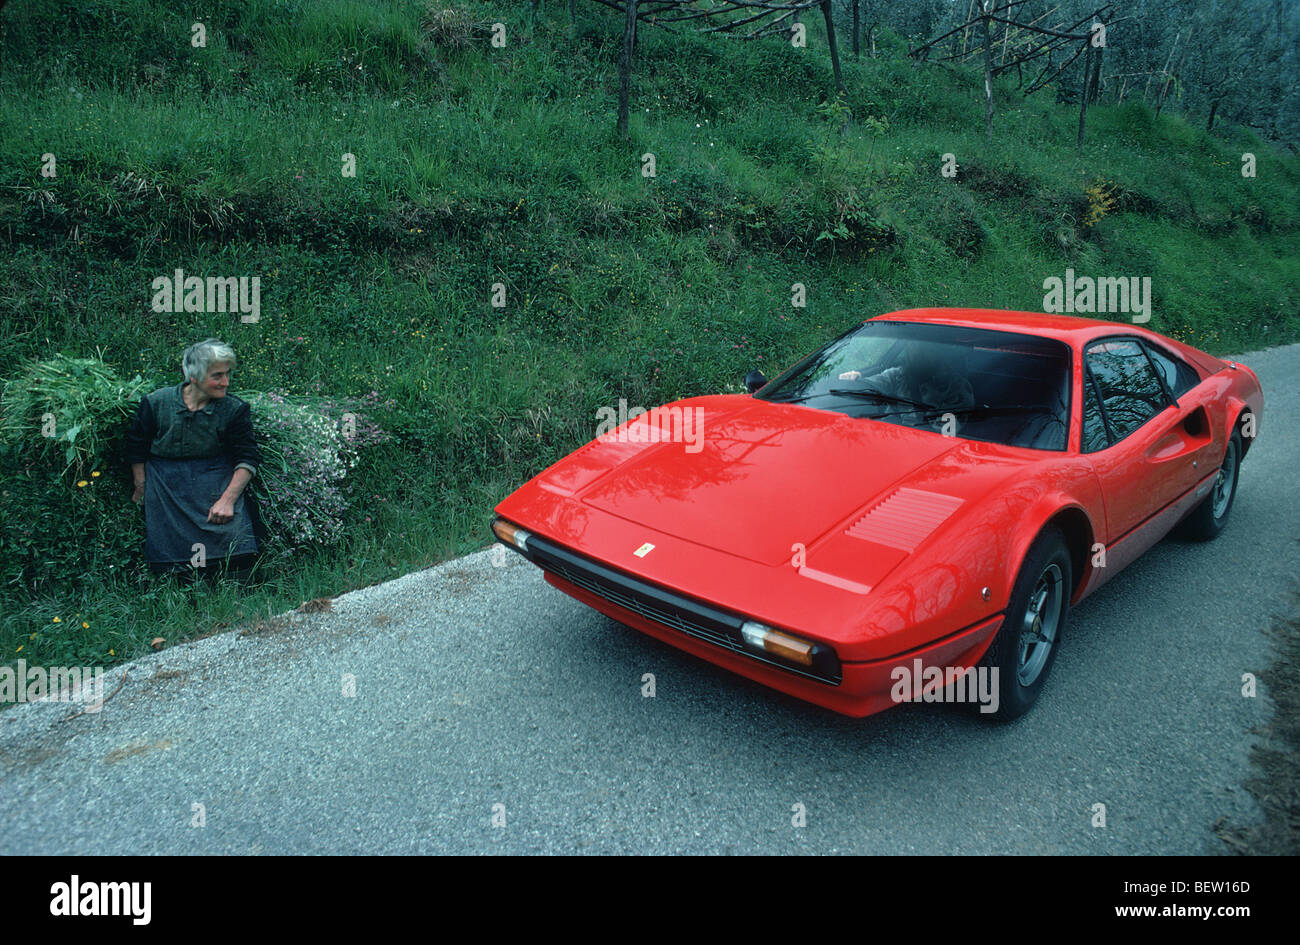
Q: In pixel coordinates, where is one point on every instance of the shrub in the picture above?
(447, 28)
(308, 445)
(66, 516)
(73, 406)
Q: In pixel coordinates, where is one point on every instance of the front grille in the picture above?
(650, 611)
(668, 608)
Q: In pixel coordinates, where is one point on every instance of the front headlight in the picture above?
(777, 643)
(511, 534)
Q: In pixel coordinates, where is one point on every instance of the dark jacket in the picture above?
(166, 428)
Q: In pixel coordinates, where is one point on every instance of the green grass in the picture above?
(479, 165)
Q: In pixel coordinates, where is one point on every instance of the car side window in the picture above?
(1094, 436)
(1131, 393)
(1179, 375)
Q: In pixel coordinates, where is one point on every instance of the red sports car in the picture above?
(906, 514)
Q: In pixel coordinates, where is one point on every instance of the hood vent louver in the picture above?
(904, 518)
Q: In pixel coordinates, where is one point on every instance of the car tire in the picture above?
(1205, 521)
(1026, 645)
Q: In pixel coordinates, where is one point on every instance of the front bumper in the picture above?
(853, 688)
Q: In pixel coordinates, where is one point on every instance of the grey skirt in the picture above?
(177, 496)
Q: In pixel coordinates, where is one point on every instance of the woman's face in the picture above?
(217, 381)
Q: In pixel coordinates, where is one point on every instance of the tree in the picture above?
(1024, 41)
(744, 19)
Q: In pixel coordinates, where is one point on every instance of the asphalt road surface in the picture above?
(494, 714)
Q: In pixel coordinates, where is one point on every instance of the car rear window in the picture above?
(1180, 377)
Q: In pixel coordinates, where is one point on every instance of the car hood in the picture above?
(776, 483)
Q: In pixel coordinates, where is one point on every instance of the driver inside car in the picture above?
(925, 375)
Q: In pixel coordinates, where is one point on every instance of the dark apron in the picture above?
(177, 496)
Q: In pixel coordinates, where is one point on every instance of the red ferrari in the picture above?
(908, 513)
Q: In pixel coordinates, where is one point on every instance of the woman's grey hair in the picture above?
(198, 358)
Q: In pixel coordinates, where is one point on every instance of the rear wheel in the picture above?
(1206, 520)
(1025, 648)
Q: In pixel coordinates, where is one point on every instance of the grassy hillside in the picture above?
(479, 165)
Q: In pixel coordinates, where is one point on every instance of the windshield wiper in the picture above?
(880, 395)
(988, 409)
(1002, 408)
(788, 398)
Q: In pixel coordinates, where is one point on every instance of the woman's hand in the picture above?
(138, 495)
(222, 511)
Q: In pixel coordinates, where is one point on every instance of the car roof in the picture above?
(1067, 328)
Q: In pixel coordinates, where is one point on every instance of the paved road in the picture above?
(479, 686)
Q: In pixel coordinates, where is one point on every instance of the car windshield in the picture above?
(995, 386)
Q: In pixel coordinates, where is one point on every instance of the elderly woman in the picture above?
(192, 452)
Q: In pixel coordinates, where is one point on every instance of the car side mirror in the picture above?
(754, 380)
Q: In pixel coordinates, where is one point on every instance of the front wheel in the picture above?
(1025, 648)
